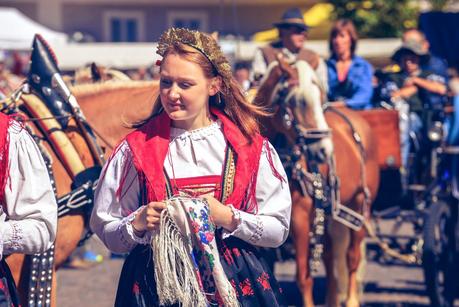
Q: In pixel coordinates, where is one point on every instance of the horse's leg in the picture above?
(69, 233)
(338, 240)
(301, 220)
(354, 257)
(355, 264)
(328, 263)
(356, 260)
(20, 270)
(70, 229)
(54, 289)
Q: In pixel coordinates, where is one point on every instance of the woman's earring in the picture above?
(218, 99)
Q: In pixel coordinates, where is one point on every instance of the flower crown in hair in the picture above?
(204, 43)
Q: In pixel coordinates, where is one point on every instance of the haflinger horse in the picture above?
(95, 73)
(295, 96)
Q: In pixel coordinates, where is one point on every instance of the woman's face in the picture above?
(184, 92)
(293, 37)
(342, 42)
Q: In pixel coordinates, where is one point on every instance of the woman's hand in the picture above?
(147, 218)
(221, 215)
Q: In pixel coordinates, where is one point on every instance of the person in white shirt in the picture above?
(202, 141)
(28, 212)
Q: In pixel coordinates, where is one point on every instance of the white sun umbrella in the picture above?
(17, 31)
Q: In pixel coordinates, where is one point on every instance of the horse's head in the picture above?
(296, 96)
(97, 73)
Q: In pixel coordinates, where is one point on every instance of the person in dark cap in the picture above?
(292, 36)
(414, 91)
(414, 84)
(434, 63)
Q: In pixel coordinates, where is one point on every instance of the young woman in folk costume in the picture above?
(28, 212)
(202, 143)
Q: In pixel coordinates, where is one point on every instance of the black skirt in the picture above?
(254, 283)
(8, 293)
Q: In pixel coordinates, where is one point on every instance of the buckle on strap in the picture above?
(348, 217)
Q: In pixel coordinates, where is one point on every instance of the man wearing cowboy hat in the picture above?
(292, 35)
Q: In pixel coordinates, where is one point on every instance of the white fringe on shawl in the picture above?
(175, 274)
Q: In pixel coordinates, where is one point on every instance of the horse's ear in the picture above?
(96, 73)
(214, 35)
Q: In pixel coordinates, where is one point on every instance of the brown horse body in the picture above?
(342, 253)
(112, 107)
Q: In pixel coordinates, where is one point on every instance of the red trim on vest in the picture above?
(5, 122)
(149, 145)
(201, 180)
(191, 185)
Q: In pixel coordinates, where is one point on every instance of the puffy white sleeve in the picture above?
(30, 221)
(269, 227)
(113, 212)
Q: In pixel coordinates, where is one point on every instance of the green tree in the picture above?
(378, 18)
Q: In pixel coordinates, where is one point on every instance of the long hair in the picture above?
(230, 99)
(347, 26)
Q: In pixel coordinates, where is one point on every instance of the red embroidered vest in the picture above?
(5, 122)
(150, 143)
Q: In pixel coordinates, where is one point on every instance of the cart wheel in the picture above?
(438, 254)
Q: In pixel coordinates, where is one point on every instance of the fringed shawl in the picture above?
(150, 143)
(5, 122)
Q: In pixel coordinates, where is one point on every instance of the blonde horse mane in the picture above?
(91, 89)
(311, 93)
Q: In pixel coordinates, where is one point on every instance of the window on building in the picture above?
(122, 26)
(195, 20)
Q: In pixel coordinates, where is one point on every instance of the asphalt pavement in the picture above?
(387, 283)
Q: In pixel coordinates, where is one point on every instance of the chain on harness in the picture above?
(309, 179)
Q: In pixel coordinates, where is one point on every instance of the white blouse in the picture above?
(194, 153)
(30, 221)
